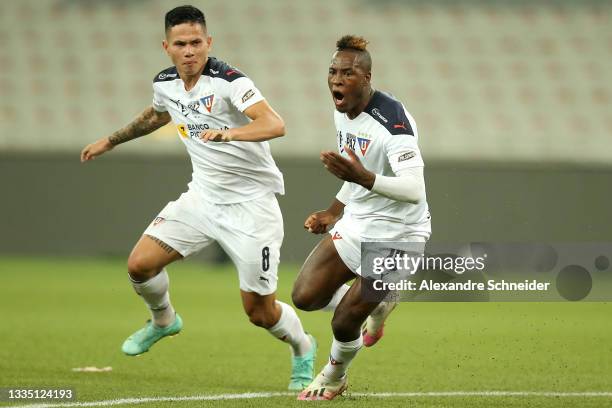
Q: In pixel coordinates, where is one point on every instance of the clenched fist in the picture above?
(318, 222)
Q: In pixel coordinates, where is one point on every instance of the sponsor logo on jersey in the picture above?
(213, 71)
(400, 125)
(336, 236)
(262, 278)
(247, 95)
(207, 101)
(405, 156)
(350, 141)
(182, 129)
(231, 72)
(187, 109)
(158, 220)
(163, 75)
(195, 130)
(363, 145)
(376, 112)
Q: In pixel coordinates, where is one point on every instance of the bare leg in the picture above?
(278, 318)
(352, 311)
(263, 311)
(149, 279)
(321, 275)
(149, 256)
(346, 324)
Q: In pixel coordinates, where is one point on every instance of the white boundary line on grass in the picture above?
(252, 395)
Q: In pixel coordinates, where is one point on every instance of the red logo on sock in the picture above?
(334, 362)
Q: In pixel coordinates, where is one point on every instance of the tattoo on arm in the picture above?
(162, 244)
(148, 121)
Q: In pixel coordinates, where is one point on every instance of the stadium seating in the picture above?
(484, 80)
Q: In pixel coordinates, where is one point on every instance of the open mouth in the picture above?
(338, 97)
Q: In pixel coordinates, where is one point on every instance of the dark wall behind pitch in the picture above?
(52, 204)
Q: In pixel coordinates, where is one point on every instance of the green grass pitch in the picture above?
(64, 313)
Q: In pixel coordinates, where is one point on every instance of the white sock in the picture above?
(335, 300)
(289, 329)
(341, 355)
(156, 296)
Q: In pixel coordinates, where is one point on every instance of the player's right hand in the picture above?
(91, 151)
(318, 222)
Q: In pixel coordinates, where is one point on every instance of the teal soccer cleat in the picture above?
(302, 368)
(141, 341)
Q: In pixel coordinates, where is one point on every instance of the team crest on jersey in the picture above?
(353, 142)
(207, 101)
(182, 129)
(363, 144)
(336, 236)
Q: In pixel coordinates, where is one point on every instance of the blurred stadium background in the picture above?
(513, 105)
(512, 101)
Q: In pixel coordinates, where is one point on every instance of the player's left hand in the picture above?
(349, 169)
(216, 135)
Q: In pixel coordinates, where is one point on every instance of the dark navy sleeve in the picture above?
(218, 69)
(168, 74)
(390, 113)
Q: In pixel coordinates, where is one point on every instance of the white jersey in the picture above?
(223, 173)
(384, 137)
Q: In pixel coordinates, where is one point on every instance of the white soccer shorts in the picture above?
(251, 233)
(347, 241)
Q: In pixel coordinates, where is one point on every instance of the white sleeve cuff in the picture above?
(408, 186)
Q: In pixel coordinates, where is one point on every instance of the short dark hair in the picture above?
(358, 45)
(184, 14)
(352, 42)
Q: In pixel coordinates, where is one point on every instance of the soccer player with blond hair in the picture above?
(382, 199)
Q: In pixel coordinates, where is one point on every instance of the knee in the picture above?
(304, 299)
(140, 268)
(261, 317)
